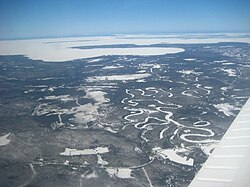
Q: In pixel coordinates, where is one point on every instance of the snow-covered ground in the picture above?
(112, 67)
(227, 109)
(44, 49)
(63, 49)
(119, 172)
(172, 154)
(95, 151)
(230, 72)
(118, 77)
(4, 139)
(190, 59)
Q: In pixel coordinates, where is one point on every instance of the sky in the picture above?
(59, 18)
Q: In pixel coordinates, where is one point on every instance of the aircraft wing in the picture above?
(229, 164)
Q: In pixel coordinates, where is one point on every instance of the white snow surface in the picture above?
(230, 72)
(190, 59)
(118, 77)
(53, 50)
(73, 152)
(172, 154)
(227, 109)
(4, 139)
(60, 49)
(119, 172)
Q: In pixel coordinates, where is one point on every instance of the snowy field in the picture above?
(65, 49)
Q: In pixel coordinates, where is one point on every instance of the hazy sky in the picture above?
(49, 18)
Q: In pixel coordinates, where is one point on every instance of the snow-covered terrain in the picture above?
(65, 49)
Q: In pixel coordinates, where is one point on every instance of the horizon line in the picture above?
(126, 33)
